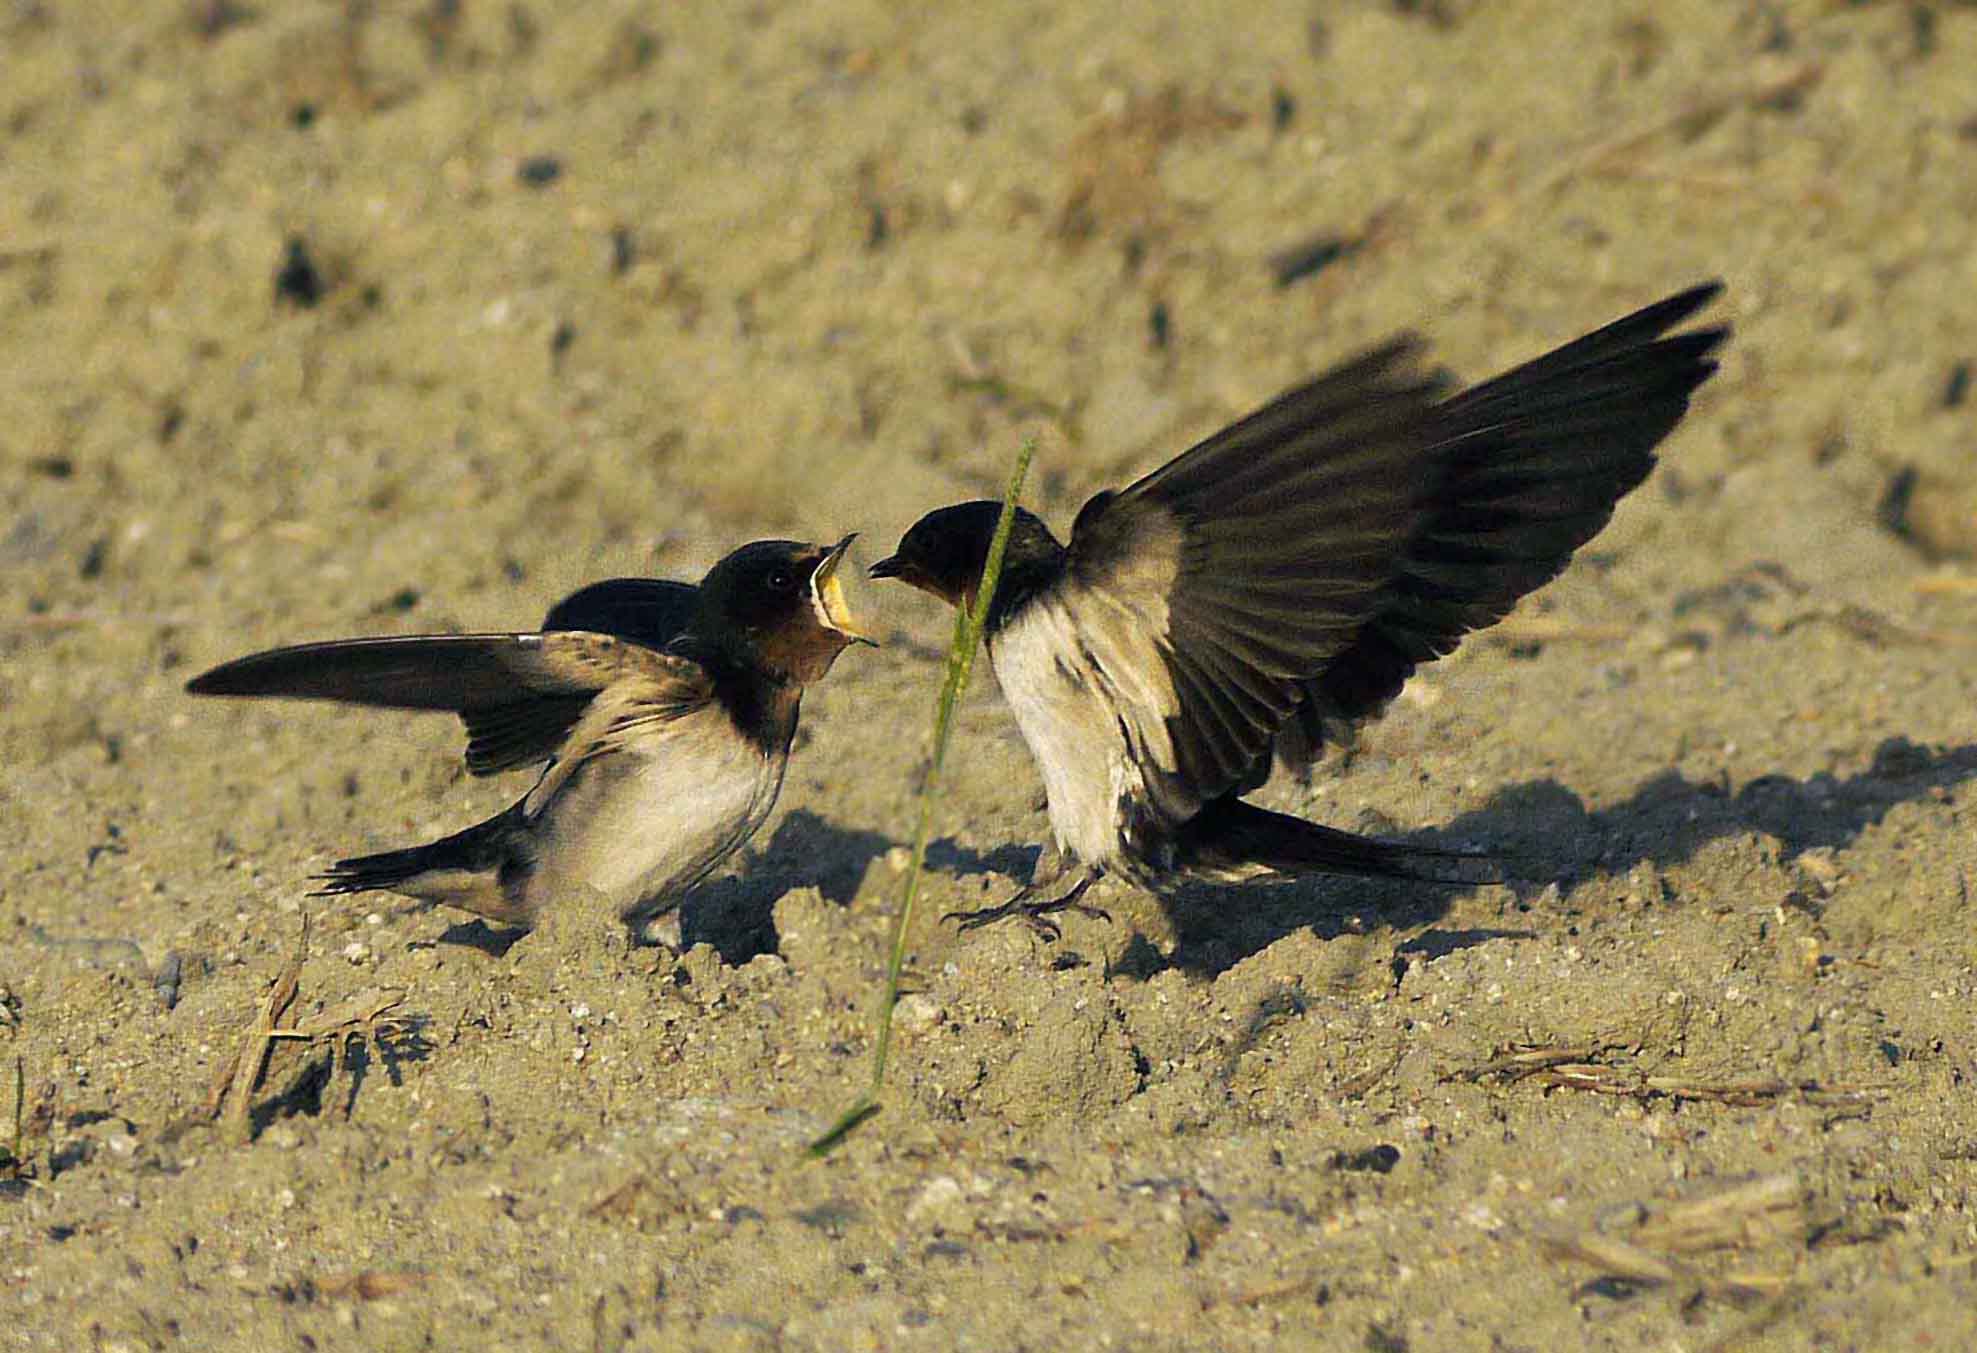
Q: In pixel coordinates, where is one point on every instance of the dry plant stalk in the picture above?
(1573, 1068)
(363, 1015)
(241, 1072)
(621, 1201)
(1769, 82)
(1517, 1063)
(1767, 1211)
(1945, 585)
(371, 1284)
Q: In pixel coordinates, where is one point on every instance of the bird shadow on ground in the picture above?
(494, 941)
(948, 856)
(736, 912)
(1543, 834)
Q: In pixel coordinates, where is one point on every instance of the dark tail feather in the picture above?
(380, 872)
(1231, 839)
(465, 870)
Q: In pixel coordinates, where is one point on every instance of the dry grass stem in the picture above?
(1573, 1068)
(1653, 1245)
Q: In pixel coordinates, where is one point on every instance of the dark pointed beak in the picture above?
(827, 595)
(889, 567)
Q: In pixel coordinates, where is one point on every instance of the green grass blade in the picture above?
(968, 625)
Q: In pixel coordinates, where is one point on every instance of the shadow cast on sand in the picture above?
(1540, 831)
(735, 912)
(947, 856)
(1543, 834)
(494, 941)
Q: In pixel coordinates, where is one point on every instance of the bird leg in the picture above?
(1051, 866)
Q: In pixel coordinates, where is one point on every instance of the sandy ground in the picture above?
(609, 288)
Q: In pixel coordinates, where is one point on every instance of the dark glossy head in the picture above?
(944, 552)
(779, 604)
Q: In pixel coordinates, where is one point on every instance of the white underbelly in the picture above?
(641, 829)
(1073, 738)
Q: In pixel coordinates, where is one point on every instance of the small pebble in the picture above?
(916, 1013)
(539, 171)
(938, 1195)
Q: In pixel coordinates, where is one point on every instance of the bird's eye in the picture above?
(782, 580)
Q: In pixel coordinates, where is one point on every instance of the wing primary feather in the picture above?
(1536, 460)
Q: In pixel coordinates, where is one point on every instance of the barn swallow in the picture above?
(664, 713)
(1279, 582)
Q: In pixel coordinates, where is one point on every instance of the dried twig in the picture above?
(1357, 1087)
(1603, 1080)
(357, 1014)
(1870, 626)
(1289, 1289)
(621, 1201)
(1515, 1065)
(371, 1284)
(1576, 1068)
(252, 1058)
(1654, 1251)
(1619, 155)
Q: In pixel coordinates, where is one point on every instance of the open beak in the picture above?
(827, 595)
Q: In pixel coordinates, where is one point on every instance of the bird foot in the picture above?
(1036, 915)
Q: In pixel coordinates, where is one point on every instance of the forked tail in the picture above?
(468, 869)
(1233, 840)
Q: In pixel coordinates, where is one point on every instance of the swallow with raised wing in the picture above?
(664, 712)
(1279, 582)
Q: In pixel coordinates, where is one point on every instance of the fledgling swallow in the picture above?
(665, 713)
(1284, 578)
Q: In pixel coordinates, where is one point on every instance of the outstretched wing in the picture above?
(1208, 591)
(520, 695)
(1536, 460)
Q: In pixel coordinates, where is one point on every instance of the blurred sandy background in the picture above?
(328, 319)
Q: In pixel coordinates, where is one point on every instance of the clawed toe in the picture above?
(1037, 915)
(1033, 915)
(975, 920)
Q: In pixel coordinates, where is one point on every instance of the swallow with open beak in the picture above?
(664, 713)
(1278, 583)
